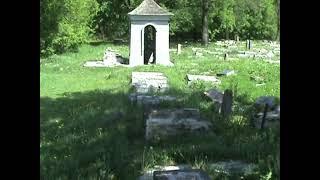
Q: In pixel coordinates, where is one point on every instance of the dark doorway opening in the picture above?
(149, 45)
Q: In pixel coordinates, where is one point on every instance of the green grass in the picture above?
(89, 129)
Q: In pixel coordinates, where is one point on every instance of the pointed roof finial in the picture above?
(149, 7)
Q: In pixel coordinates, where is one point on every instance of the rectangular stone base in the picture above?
(171, 122)
(145, 82)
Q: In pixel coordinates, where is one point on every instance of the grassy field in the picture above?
(89, 129)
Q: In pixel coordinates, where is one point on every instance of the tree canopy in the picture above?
(65, 24)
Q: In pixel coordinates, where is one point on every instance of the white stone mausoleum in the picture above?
(149, 38)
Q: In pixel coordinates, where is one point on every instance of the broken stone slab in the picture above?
(213, 53)
(272, 119)
(142, 99)
(103, 64)
(222, 100)
(272, 62)
(232, 47)
(198, 54)
(212, 79)
(145, 82)
(227, 73)
(263, 100)
(256, 78)
(197, 49)
(272, 113)
(233, 167)
(193, 174)
(246, 55)
(261, 84)
(250, 52)
(215, 95)
(262, 51)
(111, 57)
(220, 49)
(171, 122)
(148, 175)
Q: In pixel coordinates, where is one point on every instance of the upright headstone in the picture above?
(248, 44)
(179, 49)
(237, 38)
(226, 107)
(225, 56)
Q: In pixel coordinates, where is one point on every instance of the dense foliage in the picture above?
(64, 24)
(67, 23)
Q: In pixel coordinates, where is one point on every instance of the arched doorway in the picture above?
(149, 53)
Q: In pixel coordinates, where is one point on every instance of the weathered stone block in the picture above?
(212, 79)
(193, 174)
(170, 122)
(145, 82)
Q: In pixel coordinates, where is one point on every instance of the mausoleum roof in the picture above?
(149, 7)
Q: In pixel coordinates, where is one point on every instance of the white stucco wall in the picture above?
(161, 24)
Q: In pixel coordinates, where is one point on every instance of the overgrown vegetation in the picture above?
(89, 129)
(65, 24)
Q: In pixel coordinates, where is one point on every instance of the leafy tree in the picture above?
(205, 26)
(65, 24)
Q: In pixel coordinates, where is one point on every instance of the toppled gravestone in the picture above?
(148, 174)
(145, 82)
(222, 101)
(110, 59)
(271, 115)
(226, 72)
(142, 99)
(233, 168)
(193, 174)
(216, 96)
(193, 78)
(170, 122)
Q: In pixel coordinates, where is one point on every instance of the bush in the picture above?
(65, 24)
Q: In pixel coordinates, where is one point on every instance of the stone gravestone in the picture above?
(225, 56)
(222, 101)
(194, 174)
(111, 58)
(148, 173)
(237, 38)
(145, 82)
(249, 44)
(179, 49)
(192, 78)
(269, 116)
(233, 167)
(149, 100)
(172, 122)
(216, 96)
(227, 72)
(226, 107)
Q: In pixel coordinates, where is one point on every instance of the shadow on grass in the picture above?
(115, 42)
(100, 134)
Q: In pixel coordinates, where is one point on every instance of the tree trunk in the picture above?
(279, 20)
(205, 12)
(227, 34)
